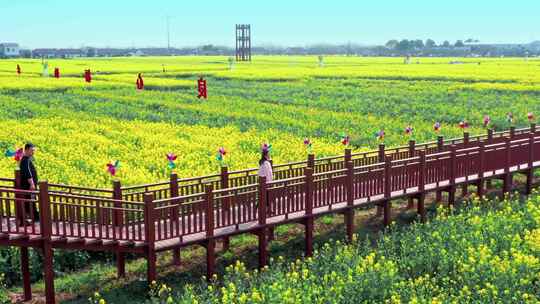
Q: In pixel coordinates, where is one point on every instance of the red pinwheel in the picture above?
(437, 127)
(530, 116)
(487, 120)
(463, 124)
(345, 140)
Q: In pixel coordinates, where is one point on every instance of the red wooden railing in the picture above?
(168, 215)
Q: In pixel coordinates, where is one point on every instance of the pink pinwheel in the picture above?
(345, 140)
(266, 148)
(487, 121)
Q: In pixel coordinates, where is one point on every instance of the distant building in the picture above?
(58, 53)
(9, 50)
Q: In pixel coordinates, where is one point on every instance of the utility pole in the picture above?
(168, 34)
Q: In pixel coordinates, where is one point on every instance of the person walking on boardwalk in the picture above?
(29, 179)
(265, 167)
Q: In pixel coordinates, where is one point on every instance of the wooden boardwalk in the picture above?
(152, 218)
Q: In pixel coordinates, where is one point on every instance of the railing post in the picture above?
(381, 160)
(175, 193)
(210, 241)
(46, 233)
(533, 128)
(387, 191)
(150, 236)
(19, 214)
(412, 148)
(348, 154)
(440, 148)
(421, 186)
(464, 187)
(262, 212)
(507, 183)
(311, 161)
(308, 172)
(118, 221)
(224, 184)
(381, 153)
(512, 132)
(440, 143)
(452, 181)
(481, 171)
(530, 164)
(349, 213)
(489, 141)
(117, 195)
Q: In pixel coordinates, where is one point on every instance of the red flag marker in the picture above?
(201, 85)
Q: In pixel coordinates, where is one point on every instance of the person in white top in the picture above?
(265, 167)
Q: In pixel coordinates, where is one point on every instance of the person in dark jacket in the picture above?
(29, 179)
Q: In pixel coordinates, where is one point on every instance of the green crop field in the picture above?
(80, 127)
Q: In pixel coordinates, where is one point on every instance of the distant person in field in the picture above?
(56, 73)
(265, 167)
(140, 82)
(29, 179)
(18, 70)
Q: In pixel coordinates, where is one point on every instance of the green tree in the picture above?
(392, 44)
(430, 43)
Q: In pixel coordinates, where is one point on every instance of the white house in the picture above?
(9, 50)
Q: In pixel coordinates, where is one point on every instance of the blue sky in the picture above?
(75, 23)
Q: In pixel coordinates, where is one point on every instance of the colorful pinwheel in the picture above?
(487, 121)
(221, 155)
(308, 144)
(171, 158)
(380, 135)
(408, 130)
(266, 148)
(112, 167)
(345, 140)
(530, 116)
(17, 155)
(437, 127)
(510, 117)
(463, 124)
